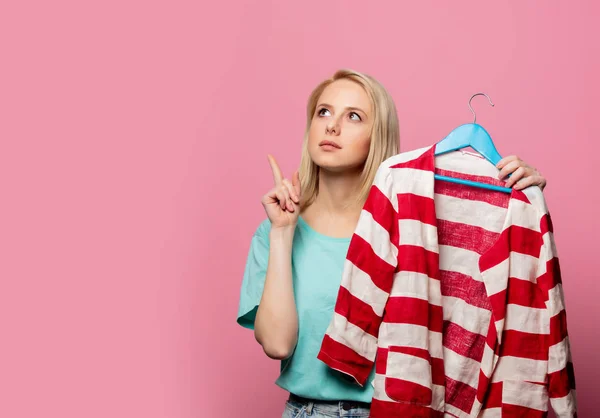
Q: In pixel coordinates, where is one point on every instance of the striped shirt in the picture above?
(454, 294)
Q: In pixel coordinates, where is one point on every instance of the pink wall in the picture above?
(134, 141)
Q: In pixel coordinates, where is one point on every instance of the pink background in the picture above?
(134, 141)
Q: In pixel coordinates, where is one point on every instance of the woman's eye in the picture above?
(323, 112)
(355, 116)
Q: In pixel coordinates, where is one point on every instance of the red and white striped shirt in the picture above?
(454, 293)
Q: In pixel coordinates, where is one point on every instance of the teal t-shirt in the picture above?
(317, 267)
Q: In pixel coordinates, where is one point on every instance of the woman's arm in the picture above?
(276, 324)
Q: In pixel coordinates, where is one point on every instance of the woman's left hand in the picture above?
(523, 175)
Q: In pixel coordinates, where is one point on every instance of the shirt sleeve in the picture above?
(255, 273)
(350, 342)
(561, 378)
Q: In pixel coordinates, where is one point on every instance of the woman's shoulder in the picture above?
(263, 229)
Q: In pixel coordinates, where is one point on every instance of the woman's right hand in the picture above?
(282, 202)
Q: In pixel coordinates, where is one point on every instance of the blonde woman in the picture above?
(294, 267)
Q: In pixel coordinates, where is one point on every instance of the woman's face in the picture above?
(340, 132)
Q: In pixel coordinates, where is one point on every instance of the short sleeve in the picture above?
(254, 276)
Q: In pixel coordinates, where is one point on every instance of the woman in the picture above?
(296, 258)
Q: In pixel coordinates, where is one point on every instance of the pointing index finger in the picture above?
(277, 176)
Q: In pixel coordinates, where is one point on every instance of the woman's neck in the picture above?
(336, 209)
(338, 192)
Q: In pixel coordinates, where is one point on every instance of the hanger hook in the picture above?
(471, 108)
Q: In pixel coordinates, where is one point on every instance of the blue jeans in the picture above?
(317, 409)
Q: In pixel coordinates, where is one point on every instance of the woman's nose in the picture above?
(332, 128)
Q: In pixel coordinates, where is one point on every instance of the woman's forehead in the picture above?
(346, 93)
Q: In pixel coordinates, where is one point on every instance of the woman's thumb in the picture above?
(296, 183)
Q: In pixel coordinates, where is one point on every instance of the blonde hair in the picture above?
(385, 136)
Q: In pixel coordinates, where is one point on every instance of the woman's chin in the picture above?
(339, 168)
(334, 162)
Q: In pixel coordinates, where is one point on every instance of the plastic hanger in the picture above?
(475, 136)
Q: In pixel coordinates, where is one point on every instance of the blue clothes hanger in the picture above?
(475, 136)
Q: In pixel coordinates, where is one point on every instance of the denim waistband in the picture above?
(345, 405)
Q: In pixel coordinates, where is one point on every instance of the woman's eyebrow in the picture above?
(347, 108)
